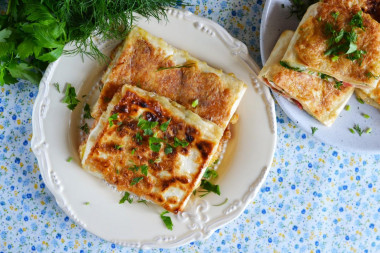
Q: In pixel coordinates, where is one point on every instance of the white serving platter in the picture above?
(94, 205)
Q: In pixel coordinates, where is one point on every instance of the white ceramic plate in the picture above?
(275, 20)
(241, 172)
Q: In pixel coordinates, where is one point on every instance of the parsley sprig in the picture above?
(167, 220)
(70, 97)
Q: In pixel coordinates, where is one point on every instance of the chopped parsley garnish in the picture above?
(155, 144)
(366, 116)
(210, 187)
(194, 103)
(357, 21)
(286, 65)
(70, 97)
(343, 42)
(168, 149)
(338, 85)
(86, 203)
(56, 85)
(325, 77)
(210, 174)
(118, 147)
(313, 130)
(335, 15)
(358, 129)
(133, 151)
(224, 202)
(347, 107)
(87, 112)
(142, 201)
(144, 170)
(368, 131)
(351, 130)
(85, 128)
(371, 75)
(112, 118)
(138, 137)
(176, 67)
(360, 100)
(164, 126)
(167, 220)
(134, 168)
(126, 197)
(136, 180)
(145, 124)
(69, 159)
(178, 142)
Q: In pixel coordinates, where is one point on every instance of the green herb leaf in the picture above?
(155, 144)
(86, 203)
(351, 130)
(371, 75)
(87, 112)
(358, 129)
(69, 159)
(208, 186)
(338, 85)
(313, 130)
(143, 201)
(5, 34)
(167, 220)
(368, 131)
(70, 97)
(178, 142)
(299, 7)
(134, 168)
(224, 202)
(168, 149)
(118, 147)
(164, 126)
(210, 174)
(136, 180)
(139, 138)
(146, 125)
(112, 118)
(85, 128)
(286, 65)
(195, 103)
(56, 85)
(360, 100)
(366, 116)
(144, 169)
(347, 107)
(357, 20)
(126, 197)
(335, 15)
(133, 151)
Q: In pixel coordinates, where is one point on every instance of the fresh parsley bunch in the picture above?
(33, 33)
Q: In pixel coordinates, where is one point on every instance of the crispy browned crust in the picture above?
(312, 43)
(138, 65)
(112, 155)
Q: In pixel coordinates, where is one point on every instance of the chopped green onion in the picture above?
(224, 202)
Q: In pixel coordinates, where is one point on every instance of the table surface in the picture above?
(316, 198)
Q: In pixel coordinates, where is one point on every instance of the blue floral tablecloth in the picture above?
(316, 198)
